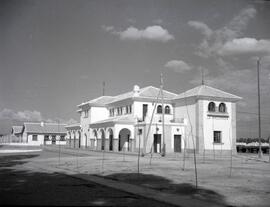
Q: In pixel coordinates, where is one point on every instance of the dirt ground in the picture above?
(247, 183)
(27, 188)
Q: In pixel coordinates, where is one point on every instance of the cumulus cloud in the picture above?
(153, 33)
(20, 115)
(245, 46)
(213, 40)
(202, 27)
(178, 65)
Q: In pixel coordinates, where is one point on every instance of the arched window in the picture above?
(159, 109)
(167, 110)
(211, 106)
(222, 107)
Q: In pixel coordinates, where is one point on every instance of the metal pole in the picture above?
(259, 108)
(163, 128)
(58, 141)
(139, 153)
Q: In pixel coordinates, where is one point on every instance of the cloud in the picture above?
(107, 28)
(213, 40)
(153, 33)
(20, 115)
(245, 46)
(202, 27)
(178, 66)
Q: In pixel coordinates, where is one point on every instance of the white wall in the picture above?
(40, 140)
(222, 124)
(189, 113)
(138, 110)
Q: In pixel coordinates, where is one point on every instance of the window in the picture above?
(46, 138)
(62, 138)
(211, 107)
(126, 109)
(222, 107)
(167, 110)
(130, 109)
(86, 114)
(121, 110)
(217, 136)
(34, 137)
(111, 112)
(159, 109)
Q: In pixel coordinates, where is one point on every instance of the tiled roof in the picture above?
(73, 126)
(146, 92)
(100, 101)
(117, 119)
(17, 129)
(47, 128)
(206, 91)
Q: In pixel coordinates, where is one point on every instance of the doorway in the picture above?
(157, 143)
(177, 143)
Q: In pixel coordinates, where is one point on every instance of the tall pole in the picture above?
(163, 128)
(103, 88)
(259, 108)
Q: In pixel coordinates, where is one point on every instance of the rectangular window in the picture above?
(127, 109)
(86, 113)
(34, 137)
(217, 136)
(62, 138)
(46, 138)
(121, 110)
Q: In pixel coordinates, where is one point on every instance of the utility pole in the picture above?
(163, 128)
(259, 108)
(202, 76)
(103, 88)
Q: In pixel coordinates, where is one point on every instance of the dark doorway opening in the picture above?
(177, 143)
(157, 143)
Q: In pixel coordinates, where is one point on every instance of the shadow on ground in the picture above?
(166, 185)
(27, 187)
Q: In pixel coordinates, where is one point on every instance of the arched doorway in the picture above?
(110, 139)
(95, 138)
(124, 136)
(79, 134)
(85, 137)
(102, 139)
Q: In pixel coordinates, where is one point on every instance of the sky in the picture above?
(55, 54)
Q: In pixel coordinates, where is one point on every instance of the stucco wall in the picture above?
(215, 123)
(187, 110)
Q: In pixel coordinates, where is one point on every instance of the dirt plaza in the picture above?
(243, 182)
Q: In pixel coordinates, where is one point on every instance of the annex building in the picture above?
(40, 133)
(202, 118)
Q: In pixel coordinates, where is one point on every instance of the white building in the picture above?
(40, 133)
(203, 118)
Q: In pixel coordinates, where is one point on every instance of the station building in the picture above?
(202, 118)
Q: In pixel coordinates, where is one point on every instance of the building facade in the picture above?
(40, 133)
(203, 118)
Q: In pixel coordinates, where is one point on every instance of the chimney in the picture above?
(42, 124)
(136, 90)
